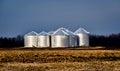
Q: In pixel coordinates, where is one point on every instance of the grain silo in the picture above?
(60, 38)
(30, 39)
(72, 37)
(43, 40)
(73, 40)
(83, 37)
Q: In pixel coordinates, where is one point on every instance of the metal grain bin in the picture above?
(30, 39)
(43, 40)
(72, 37)
(83, 37)
(59, 39)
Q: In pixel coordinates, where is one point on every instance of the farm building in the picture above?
(30, 39)
(43, 39)
(83, 37)
(72, 37)
(62, 37)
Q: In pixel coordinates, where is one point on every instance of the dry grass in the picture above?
(50, 56)
(59, 60)
(66, 66)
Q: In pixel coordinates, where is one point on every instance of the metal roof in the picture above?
(68, 31)
(50, 33)
(31, 34)
(60, 31)
(63, 31)
(43, 33)
(81, 30)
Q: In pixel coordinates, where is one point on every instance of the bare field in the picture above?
(59, 60)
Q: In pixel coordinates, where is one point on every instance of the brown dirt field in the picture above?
(59, 60)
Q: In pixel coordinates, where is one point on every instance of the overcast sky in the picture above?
(18, 17)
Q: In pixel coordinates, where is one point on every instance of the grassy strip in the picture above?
(66, 66)
(48, 56)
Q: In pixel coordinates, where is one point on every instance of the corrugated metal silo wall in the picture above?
(72, 41)
(60, 41)
(30, 41)
(83, 39)
(43, 41)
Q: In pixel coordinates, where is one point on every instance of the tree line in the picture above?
(6, 42)
(112, 40)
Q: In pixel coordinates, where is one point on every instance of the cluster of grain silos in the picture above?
(62, 37)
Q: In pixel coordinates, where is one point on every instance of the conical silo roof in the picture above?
(60, 31)
(68, 31)
(64, 30)
(31, 34)
(43, 33)
(50, 32)
(81, 31)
